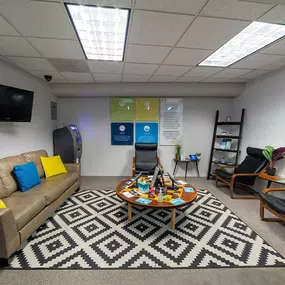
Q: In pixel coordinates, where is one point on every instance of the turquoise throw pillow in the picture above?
(27, 176)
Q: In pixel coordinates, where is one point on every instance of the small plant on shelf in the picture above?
(272, 155)
(198, 154)
(178, 149)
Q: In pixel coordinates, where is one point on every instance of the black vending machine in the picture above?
(67, 143)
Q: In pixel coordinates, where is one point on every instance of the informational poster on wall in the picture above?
(171, 121)
(147, 109)
(122, 109)
(122, 133)
(147, 132)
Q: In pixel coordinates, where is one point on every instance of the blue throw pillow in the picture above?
(27, 176)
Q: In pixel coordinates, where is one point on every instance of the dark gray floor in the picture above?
(247, 210)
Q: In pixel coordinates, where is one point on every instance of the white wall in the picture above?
(264, 101)
(16, 138)
(92, 116)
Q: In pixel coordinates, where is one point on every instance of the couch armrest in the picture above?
(72, 167)
(9, 236)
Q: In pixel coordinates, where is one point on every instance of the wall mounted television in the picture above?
(15, 104)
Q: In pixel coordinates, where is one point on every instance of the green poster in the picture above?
(147, 109)
(122, 109)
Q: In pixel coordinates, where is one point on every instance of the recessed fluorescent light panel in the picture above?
(102, 31)
(254, 37)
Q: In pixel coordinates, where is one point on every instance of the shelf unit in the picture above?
(230, 137)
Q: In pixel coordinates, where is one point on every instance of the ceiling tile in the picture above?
(216, 80)
(135, 78)
(16, 46)
(254, 74)
(105, 67)
(6, 29)
(276, 65)
(190, 79)
(38, 19)
(173, 6)
(276, 15)
(138, 68)
(78, 76)
(107, 77)
(201, 71)
(231, 73)
(258, 61)
(277, 48)
(235, 9)
(146, 54)
(239, 79)
(172, 70)
(154, 28)
(69, 65)
(211, 33)
(54, 48)
(183, 56)
(56, 76)
(32, 64)
(158, 78)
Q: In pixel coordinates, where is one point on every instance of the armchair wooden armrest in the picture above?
(267, 190)
(134, 167)
(227, 166)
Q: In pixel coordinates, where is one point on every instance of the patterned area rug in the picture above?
(91, 230)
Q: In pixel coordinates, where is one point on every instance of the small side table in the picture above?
(186, 169)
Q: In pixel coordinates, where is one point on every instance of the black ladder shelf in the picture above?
(214, 149)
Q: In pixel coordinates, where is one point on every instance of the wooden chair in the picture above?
(244, 174)
(273, 204)
(145, 159)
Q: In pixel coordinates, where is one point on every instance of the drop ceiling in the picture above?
(166, 40)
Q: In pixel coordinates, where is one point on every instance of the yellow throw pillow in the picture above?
(52, 166)
(2, 205)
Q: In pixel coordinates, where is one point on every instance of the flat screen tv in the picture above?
(15, 104)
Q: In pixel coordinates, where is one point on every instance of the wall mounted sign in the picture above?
(122, 133)
(122, 109)
(147, 109)
(147, 132)
(171, 121)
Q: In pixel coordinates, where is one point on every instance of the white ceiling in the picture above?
(167, 39)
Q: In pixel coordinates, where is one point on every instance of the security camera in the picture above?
(48, 78)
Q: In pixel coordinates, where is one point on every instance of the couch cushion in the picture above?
(54, 186)
(35, 157)
(25, 206)
(8, 184)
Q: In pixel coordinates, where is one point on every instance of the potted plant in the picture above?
(273, 155)
(178, 148)
(198, 154)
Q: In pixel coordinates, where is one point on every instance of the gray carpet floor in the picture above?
(247, 210)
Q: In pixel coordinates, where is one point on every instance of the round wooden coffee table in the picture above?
(188, 197)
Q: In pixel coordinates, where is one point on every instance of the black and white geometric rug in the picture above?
(91, 231)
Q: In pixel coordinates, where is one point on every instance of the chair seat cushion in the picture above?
(54, 186)
(25, 206)
(224, 174)
(275, 203)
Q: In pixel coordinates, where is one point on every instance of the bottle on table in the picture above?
(160, 198)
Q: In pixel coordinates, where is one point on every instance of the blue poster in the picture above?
(122, 133)
(147, 132)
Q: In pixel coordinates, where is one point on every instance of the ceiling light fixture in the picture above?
(102, 31)
(253, 38)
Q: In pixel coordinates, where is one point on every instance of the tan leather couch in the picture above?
(26, 211)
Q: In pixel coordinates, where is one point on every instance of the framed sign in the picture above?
(122, 109)
(122, 133)
(147, 132)
(147, 109)
(171, 121)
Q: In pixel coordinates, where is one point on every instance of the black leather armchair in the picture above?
(145, 159)
(244, 174)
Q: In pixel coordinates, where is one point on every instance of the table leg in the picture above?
(129, 211)
(175, 167)
(197, 166)
(186, 170)
(173, 216)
